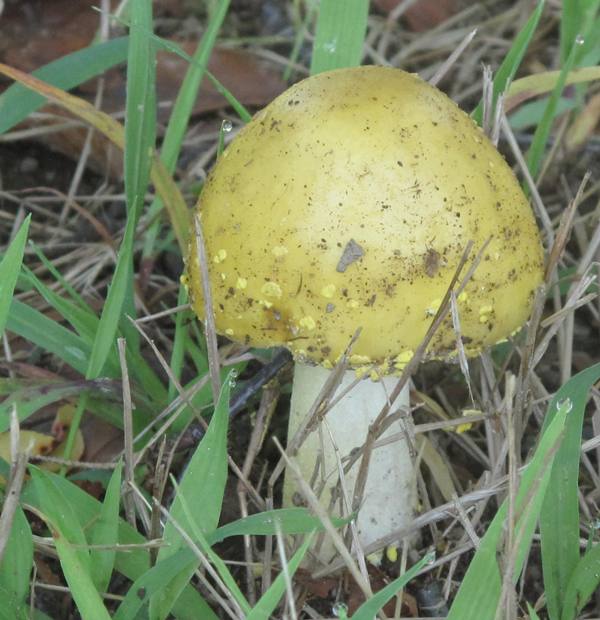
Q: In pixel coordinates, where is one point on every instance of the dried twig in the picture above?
(129, 467)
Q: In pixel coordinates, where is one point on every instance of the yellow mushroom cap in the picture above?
(348, 202)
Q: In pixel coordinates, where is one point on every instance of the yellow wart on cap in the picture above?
(220, 256)
(328, 291)
(307, 322)
(271, 289)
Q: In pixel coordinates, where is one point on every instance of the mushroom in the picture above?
(347, 203)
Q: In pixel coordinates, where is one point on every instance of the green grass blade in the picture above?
(542, 131)
(75, 296)
(341, 29)
(206, 472)
(584, 13)
(529, 114)
(370, 608)
(10, 610)
(532, 613)
(106, 532)
(140, 128)
(82, 319)
(569, 27)
(28, 400)
(286, 520)
(15, 567)
(132, 564)
(238, 107)
(200, 495)
(270, 599)
(188, 93)
(140, 137)
(70, 543)
(559, 521)
(10, 267)
(170, 46)
(479, 593)
(512, 61)
(227, 578)
(182, 111)
(18, 102)
(159, 577)
(48, 335)
(584, 582)
(86, 323)
(140, 112)
(575, 15)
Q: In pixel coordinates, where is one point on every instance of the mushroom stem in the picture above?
(390, 490)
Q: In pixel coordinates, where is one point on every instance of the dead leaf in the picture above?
(423, 14)
(39, 444)
(30, 31)
(437, 466)
(29, 41)
(584, 125)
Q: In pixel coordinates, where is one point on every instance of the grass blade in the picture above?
(153, 581)
(229, 582)
(139, 144)
(479, 594)
(285, 520)
(16, 563)
(341, 29)
(28, 400)
(584, 582)
(49, 335)
(70, 543)
(82, 319)
(140, 136)
(370, 608)
(200, 496)
(106, 532)
(182, 110)
(575, 15)
(542, 131)
(10, 267)
(270, 599)
(132, 564)
(140, 123)
(532, 613)
(512, 62)
(18, 102)
(559, 521)
(170, 46)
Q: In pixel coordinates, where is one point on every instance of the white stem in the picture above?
(390, 491)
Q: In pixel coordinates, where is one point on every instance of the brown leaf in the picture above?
(29, 40)
(103, 441)
(326, 589)
(30, 31)
(251, 80)
(423, 14)
(584, 125)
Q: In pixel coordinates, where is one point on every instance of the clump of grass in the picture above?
(525, 456)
